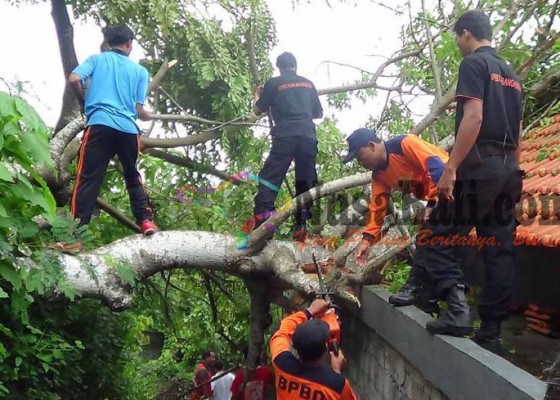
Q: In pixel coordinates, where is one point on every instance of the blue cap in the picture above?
(310, 338)
(358, 139)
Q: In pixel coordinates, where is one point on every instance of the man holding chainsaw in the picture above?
(306, 377)
(408, 163)
(292, 103)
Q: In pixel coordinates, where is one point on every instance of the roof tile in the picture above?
(539, 208)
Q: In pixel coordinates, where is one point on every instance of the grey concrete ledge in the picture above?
(458, 367)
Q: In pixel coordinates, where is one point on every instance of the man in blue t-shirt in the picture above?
(113, 100)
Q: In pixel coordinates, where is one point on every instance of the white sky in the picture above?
(313, 32)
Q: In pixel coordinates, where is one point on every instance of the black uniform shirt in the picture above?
(484, 76)
(294, 103)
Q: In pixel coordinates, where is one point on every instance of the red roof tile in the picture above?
(539, 208)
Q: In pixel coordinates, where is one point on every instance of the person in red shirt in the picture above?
(257, 387)
(406, 163)
(305, 377)
(203, 373)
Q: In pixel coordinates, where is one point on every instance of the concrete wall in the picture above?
(391, 357)
(378, 370)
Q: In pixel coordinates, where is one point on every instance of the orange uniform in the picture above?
(413, 165)
(294, 379)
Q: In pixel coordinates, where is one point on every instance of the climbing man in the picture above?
(410, 164)
(479, 185)
(293, 103)
(307, 377)
(114, 99)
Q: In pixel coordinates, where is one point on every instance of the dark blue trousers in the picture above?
(284, 150)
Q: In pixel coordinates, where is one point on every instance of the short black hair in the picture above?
(286, 60)
(206, 354)
(118, 34)
(476, 22)
(312, 353)
(219, 365)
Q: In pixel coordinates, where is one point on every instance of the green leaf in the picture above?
(29, 116)
(3, 294)
(37, 149)
(11, 275)
(5, 174)
(7, 106)
(18, 361)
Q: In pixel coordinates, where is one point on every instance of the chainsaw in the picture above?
(330, 316)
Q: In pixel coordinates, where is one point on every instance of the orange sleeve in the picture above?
(280, 341)
(380, 195)
(428, 158)
(347, 392)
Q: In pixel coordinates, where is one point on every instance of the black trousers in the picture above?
(99, 145)
(284, 150)
(488, 205)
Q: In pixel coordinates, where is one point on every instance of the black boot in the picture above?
(456, 321)
(427, 300)
(406, 295)
(488, 336)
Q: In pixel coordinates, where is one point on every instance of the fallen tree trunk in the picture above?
(100, 273)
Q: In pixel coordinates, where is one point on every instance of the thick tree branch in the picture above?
(205, 136)
(260, 321)
(250, 43)
(65, 35)
(265, 231)
(158, 77)
(434, 114)
(547, 90)
(96, 273)
(63, 138)
(186, 162)
(170, 143)
(195, 119)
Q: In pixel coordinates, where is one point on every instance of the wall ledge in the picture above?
(458, 367)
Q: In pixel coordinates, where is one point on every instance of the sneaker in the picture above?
(148, 227)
